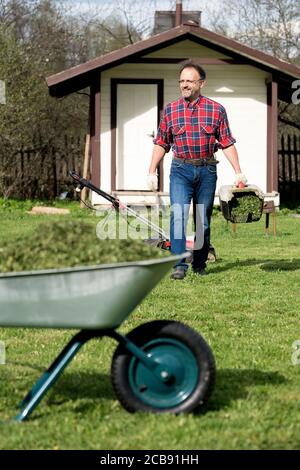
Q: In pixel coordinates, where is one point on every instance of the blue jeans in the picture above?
(186, 182)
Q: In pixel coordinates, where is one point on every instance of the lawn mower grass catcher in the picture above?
(241, 205)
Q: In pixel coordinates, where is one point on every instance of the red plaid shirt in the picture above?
(194, 130)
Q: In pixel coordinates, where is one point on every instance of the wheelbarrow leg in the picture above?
(49, 377)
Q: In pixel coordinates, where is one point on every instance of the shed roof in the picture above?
(81, 76)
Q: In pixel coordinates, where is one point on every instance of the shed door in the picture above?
(136, 126)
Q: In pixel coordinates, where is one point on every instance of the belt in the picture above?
(197, 161)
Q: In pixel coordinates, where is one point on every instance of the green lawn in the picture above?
(247, 309)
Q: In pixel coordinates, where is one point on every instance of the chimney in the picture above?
(178, 14)
(166, 20)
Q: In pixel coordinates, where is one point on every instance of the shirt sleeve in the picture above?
(223, 134)
(164, 136)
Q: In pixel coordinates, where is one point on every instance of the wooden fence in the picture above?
(41, 171)
(289, 169)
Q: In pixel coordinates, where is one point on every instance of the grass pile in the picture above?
(67, 243)
(245, 208)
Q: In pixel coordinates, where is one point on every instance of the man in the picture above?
(194, 127)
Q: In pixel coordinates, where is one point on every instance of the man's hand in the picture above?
(240, 180)
(152, 181)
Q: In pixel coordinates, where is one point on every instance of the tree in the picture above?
(269, 25)
(36, 41)
(39, 38)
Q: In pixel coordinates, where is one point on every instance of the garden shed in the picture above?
(130, 86)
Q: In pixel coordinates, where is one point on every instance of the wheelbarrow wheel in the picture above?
(183, 356)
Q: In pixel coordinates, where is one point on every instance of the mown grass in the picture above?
(247, 309)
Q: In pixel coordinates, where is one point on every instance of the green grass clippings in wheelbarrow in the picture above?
(160, 366)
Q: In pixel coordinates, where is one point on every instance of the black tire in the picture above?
(164, 332)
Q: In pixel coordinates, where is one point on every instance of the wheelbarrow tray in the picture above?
(93, 297)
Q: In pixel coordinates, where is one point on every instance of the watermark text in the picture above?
(2, 352)
(296, 94)
(2, 92)
(150, 223)
(296, 354)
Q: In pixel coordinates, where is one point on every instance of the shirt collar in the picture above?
(192, 104)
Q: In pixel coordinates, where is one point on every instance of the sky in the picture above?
(147, 6)
(160, 4)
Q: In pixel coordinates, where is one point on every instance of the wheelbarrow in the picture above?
(160, 366)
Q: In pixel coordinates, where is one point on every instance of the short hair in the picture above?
(192, 64)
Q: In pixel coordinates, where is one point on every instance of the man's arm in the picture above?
(161, 146)
(232, 156)
(157, 155)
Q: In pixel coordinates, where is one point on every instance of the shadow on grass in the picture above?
(76, 385)
(72, 387)
(282, 265)
(231, 385)
(69, 388)
(236, 384)
(266, 265)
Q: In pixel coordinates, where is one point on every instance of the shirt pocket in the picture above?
(208, 135)
(178, 130)
(207, 129)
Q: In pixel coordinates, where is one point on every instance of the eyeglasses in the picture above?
(189, 82)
